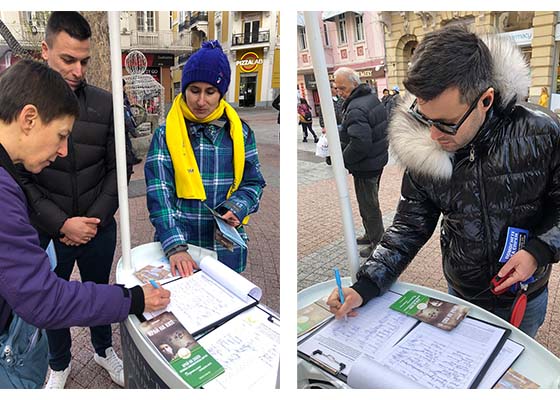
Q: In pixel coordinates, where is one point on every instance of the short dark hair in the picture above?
(385, 90)
(450, 57)
(71, 22)
(31, 82)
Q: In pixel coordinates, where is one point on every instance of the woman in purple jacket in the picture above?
(37, 112)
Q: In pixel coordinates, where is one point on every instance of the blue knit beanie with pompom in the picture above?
(208, 64)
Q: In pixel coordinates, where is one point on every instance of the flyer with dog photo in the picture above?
(439, 313)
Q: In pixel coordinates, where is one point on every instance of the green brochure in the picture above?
(191, 361)
(438, 313)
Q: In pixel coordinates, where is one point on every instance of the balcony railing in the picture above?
(157, 40)
(27, 36)
(199, 17)
(240, 39)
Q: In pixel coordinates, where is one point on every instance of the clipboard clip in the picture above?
(326, 366)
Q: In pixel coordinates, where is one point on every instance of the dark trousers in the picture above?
(94, 261)
(306, 127)
(367, 194)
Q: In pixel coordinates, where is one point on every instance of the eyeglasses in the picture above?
(450, 129)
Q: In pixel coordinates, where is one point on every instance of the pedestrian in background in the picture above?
(543, 100)
(306, 119)
(363, 136)
(204, 154)
(337, 103)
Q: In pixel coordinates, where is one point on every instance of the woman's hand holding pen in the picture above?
(182, 263)
(155, 298)
(351, 300)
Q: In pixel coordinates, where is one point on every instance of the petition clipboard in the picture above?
(324, 352)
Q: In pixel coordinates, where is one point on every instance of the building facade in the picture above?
(352, 39)
(251, 41)
(151, 32)
(537, 33)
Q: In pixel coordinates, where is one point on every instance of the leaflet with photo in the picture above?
(185, 355)
(312, 316)
(436, 312)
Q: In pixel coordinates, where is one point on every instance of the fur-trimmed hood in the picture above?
(410, 142)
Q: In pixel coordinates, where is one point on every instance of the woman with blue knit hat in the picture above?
(204, 155)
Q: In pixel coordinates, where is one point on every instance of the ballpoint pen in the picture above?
(154, 284)
(340, 293)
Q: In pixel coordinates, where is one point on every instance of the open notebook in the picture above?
(382, 348)
(209, 297)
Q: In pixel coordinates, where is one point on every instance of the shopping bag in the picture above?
(322, 147)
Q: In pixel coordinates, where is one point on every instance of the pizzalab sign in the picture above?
(249, 62)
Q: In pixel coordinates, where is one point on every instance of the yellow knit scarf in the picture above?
(188, 182)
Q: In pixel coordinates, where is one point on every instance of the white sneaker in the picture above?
(57, 379)
(113, 364)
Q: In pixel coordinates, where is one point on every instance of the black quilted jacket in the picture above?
(509, 175)
(84, 183)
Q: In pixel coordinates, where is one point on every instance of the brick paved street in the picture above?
(264, 248)
(321, 242)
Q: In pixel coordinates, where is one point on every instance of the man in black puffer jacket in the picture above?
(74, 199)
(482, 161)
(363, 136)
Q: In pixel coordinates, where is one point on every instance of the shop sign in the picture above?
(155, 72)
(249, 62)
(521, 38)
(163, 60)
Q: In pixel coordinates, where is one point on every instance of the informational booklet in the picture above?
(312, 316)
(505, 358)
(248, 346)
(514, 380)
(436, 312)
(383, 348)
(185, 355)
(209, 297)
(153, 272)
(226, 234)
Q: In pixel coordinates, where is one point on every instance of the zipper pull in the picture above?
(471, 155)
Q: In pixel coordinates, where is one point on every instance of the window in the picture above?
(145, 21)
(219, 31)
(37, 19)
(359, 28)
(341, 25)
(302, 39)
(325, 30)
(251, 32)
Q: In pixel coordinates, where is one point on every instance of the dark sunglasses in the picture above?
(450, 129)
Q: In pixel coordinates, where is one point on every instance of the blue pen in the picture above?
(339, 284)
(154, 284)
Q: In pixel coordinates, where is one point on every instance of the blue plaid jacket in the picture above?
(179, 221)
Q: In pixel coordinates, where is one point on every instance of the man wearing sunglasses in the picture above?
(482, 160)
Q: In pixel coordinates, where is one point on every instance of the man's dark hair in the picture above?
(385, 91)
(71, 22)
(31, 82)
(450, 57)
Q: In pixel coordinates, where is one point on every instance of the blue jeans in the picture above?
(534, 313)
(94, 261)
(23, 356)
